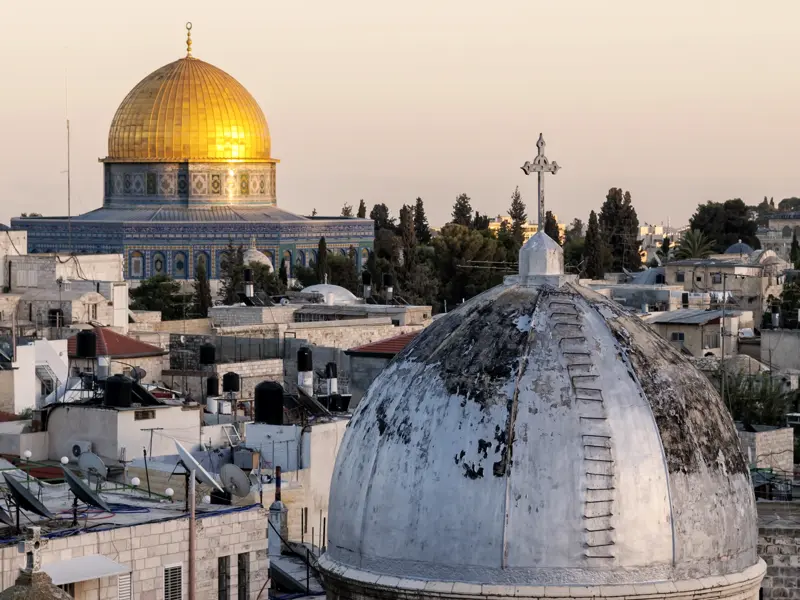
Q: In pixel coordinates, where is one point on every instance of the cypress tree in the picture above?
(421, 229)
(462, 211)
(593, 250)
(551, 227)
(322, 259)
(519, 217)
(362, 210)
(201, 297)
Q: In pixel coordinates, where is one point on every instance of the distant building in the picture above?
(528, 230)
(699, 332)
(777, 235)
(369, 360)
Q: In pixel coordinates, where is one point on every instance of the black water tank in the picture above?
(248, 275)
(268, 403)
(387, 280)
(366, 278)
(118, 391)
(330, 370)
(230, 382)
(208, 354)
(304, 362)
(212, 386)
(86, 344)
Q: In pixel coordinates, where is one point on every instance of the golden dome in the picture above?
(188, 111)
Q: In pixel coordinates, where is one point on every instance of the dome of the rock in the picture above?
(188, 110)
(540, 436)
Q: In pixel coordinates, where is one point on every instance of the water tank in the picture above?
(387, 280)
(230, 382)
(330, 370)
(366, 278)
(208, 354)
(118, 391)
(248, 275)
(268, 403)
(212, 386)
(304, 361)
(86, 344)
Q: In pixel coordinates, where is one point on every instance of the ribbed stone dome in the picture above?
(539, 436)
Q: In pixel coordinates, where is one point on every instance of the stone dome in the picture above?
(254, 256)
(333, 294)
(540, 436)
(739, 248)
(188, 111)
(34, 586)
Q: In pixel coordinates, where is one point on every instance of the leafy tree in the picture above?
(421, 229)
(725, 224)
(201, 296)
(383, 219)
(266, 281)
(480, 222)
(456, 249)
(420, 285)
(231, 277)
(362, 209)
(388, 246)
(462, 211)
(757, 399)
(593, 252)
(343, 272)
(664, 250)
(305, 276)
(551, 227)
(519, 217)
(322, 259)
(159, 293)
(284, 274)
(694, 244)
(347, 210)
(619, 226)
(574, 231)
(789, 304)
(789, 204)
(794, 251)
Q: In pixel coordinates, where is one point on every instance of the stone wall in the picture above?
(779, 546)
(251, 373)
(363, 371)
(231, 316)
(771, 449)
(780, 348)
(148, 547)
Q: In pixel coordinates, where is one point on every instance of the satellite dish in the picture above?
(139, 373)
(200, 473)
(82, 491)
(91, 464)
(234, 480)
(23, 498)
(6, 518)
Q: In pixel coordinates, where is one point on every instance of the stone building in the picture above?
(767, 447)
(540, 442)
(189, 170)
(700, 332)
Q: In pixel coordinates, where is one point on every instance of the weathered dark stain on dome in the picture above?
(695, 427)
(478, 353)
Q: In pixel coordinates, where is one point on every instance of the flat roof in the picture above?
(384, 348)
(688, 316)
(84, 568)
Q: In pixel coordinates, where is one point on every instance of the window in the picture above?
(224, 578)
(677, 336)
(143, 415)
(68, 587)
(680, 276)
(124, 590)
(173, 583)
(137, 264)
(711, 340)
(699, 278)
(93, 312)
(244, 576)
(180, 265)
(55, 317)
(716, 278)
(158, 263)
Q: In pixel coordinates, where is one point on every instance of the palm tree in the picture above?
(694, 244)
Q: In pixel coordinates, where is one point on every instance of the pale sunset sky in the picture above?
(679, 102)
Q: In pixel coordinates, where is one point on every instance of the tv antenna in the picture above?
(24, 500)
(82, 492)
(234, 480)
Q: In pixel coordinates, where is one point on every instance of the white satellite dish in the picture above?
(200, 473)
(91, 464)
(234, 480)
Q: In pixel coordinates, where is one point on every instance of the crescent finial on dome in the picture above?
(188, 38)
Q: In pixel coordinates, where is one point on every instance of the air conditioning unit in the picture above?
(78, 447)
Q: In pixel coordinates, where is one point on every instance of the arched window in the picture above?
(136, 265)
(159, 264)
(201, 258)
(179, 266)
(364, 257)
(222, 259)
(343, 251)
(287, 260)
(312, 258)
(300, 259)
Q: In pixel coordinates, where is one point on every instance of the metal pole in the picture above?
(146, 472)
(192, 522)
(722, 360)
(308, 571)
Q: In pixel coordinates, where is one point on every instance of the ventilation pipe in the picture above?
(305, 371)
(366, 283)
(332, 379)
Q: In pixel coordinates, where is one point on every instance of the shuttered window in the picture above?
(173, 577)
(224, 578)
(124, 591)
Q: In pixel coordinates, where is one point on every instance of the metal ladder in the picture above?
(597, 490)
(234, 439)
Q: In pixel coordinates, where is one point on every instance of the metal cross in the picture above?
(540, 165)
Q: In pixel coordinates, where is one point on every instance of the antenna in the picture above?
(23, 499)
(82, 492)
(69, 171)
(234, 480)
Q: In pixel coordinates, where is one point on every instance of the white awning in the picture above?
(83, 569)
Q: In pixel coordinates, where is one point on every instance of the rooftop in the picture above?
(384, 348)
(115, 345)
(689, 316)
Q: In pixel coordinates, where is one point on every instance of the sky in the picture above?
(679, 102)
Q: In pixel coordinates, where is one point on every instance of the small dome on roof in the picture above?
(333, 294)
(739, 248)
(254, 255)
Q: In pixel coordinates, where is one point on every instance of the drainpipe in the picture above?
(192, 523)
